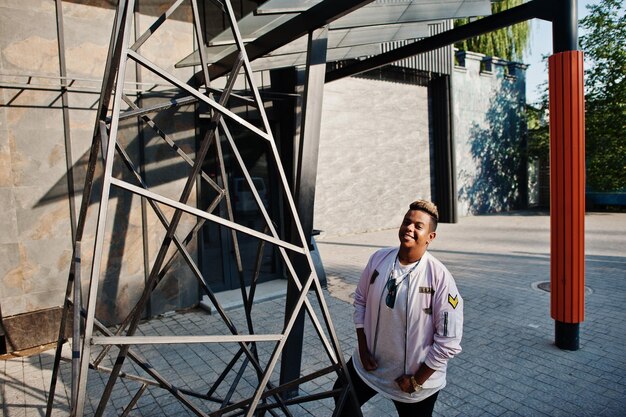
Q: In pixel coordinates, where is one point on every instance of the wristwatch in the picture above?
(416, 386)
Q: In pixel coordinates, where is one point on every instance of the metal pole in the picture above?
(567, 177)
(122, 39)
(439, 91)
(76, 325)
(141, 138)
(114, 45)
(564, 26)
(304, 190)
(66, 118)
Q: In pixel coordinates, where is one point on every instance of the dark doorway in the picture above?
(217, 254)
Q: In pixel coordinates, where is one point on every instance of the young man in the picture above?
(409, 321)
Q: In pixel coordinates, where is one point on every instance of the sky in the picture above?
(540, 45)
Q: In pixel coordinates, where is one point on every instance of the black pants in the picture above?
(363, 391)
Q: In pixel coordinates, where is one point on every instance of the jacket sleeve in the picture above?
(360, 294)
(448, 321)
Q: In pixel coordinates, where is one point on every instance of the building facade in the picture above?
(377, 145)
(376, 153)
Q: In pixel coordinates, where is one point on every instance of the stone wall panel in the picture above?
(374, 156)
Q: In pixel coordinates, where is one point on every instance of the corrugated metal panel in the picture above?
(437, 61)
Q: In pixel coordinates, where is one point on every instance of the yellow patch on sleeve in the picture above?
(454, 301)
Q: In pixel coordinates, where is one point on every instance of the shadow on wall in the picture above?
(123, 276)
(497, 150)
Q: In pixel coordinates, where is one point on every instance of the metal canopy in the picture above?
(355, 34)
(342, 44)
(413, 11)
(503, 19)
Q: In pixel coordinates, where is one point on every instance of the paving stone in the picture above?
(495, 409)
(510, 413)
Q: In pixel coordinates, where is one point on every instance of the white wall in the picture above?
(374, 156)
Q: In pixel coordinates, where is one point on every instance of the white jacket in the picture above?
(434, 318)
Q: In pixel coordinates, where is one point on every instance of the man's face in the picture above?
(415, 230)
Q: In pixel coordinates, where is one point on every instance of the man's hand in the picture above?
(367, 359)
(423, 373)
(404, 382)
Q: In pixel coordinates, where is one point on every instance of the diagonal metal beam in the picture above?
(150, 122)
(157, 23)
(282, 251)
(184, 86)
(280, 389)
(112, 64)
(134, 400)
(200, 213)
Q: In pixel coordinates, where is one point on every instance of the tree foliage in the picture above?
(603, 43)
(507, 43)
(494, 186)
(605, 83)
(538, 130)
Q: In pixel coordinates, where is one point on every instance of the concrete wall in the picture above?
(374, 156)
(35, 242)
(489, 97)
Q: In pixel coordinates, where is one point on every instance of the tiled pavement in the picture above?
(509, 365)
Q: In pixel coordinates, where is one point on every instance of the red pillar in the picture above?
(567, 195)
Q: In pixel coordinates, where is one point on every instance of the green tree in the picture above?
(604, 43)
(507, 43)
(538, 130)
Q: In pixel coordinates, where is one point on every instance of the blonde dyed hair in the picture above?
(427, 207)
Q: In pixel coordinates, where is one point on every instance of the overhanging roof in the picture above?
(275, 34)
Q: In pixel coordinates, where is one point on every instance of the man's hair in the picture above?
(427, 207)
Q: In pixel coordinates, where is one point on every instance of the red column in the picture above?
(567, 194)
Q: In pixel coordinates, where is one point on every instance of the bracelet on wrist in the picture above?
(416, 386)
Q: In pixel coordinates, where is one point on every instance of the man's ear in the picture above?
(432, 236)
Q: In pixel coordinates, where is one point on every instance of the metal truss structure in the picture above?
(92, 341)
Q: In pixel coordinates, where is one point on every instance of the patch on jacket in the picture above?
(373, 278)
(454, 301)
(426, 290)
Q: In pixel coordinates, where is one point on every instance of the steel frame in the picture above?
(115, 106)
